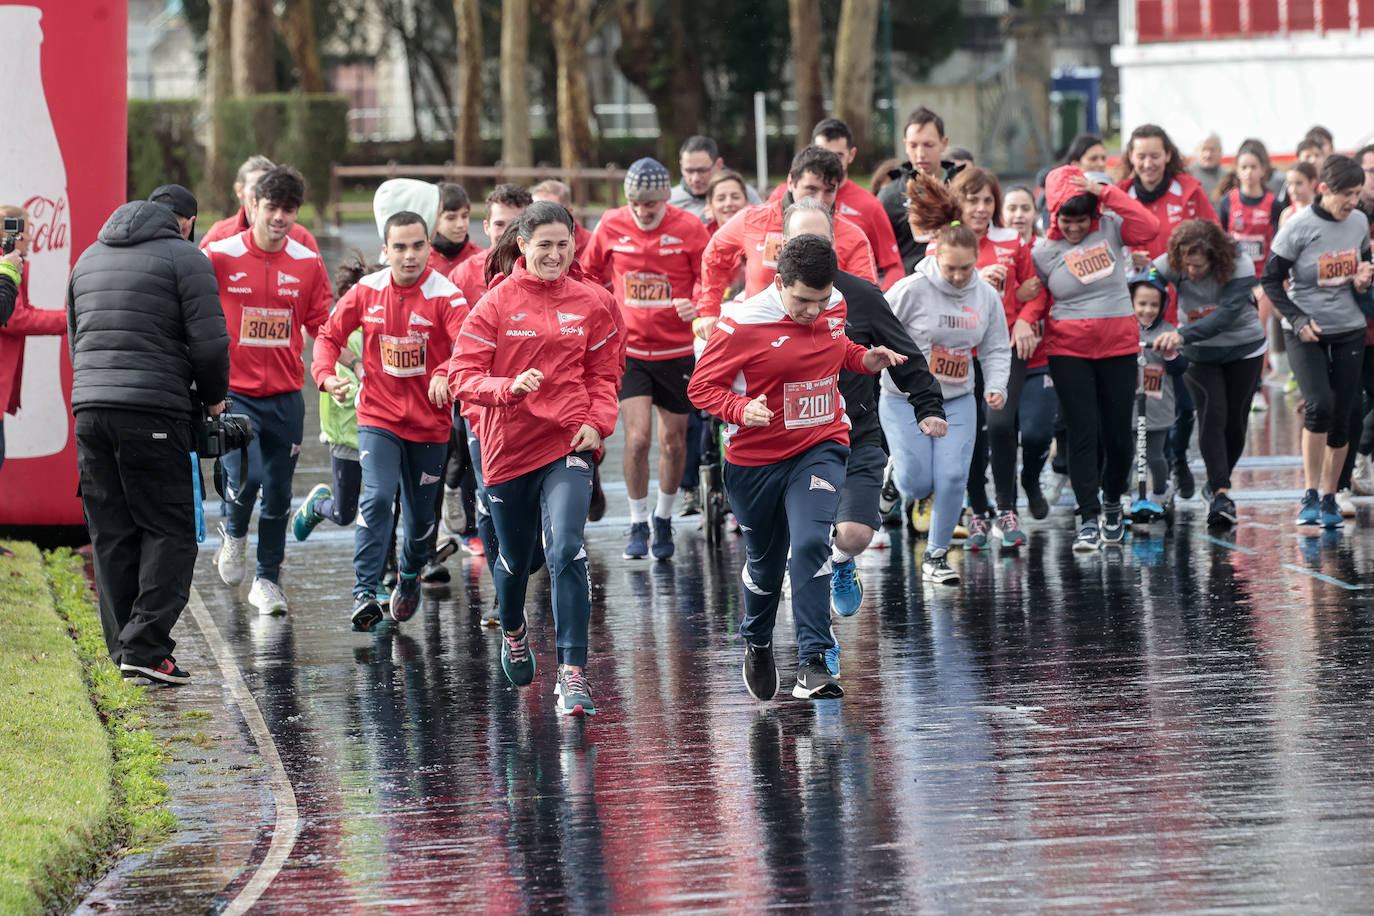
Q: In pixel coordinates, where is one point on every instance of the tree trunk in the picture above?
(467, 126)
(804, 17)
(651, 48)
(515, 97)
(298, 30)
(219, 85)
(855, 49)
(571, 31)
(250, 37)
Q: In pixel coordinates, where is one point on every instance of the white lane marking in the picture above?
(284, 797)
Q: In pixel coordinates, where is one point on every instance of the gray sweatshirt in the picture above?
(1158, 381)
(1324, 254)
(1218, 322)
(948, 323)
(1087, 280)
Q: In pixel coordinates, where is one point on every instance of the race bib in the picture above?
(403, 357)
(1154, 382)
(1337, 267)
(948, 365)
(648, 291)
(1090, 263)
(1252, 246)
(807, 404)
(1201, 312)
(772, 247)
(265, 328)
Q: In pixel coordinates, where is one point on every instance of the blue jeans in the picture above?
(278, 424)
(389, 462)
(560, 491)
(789, 504)
(923, 466)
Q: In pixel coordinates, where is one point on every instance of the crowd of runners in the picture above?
(867, 355)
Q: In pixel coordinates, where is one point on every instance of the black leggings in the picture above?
(1096, 397)
(1002, 437)
(977, 487)
(1223, 392)
(1328, 373)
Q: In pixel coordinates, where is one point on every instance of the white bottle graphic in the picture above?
(32, 175)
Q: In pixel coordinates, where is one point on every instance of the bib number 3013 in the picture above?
(806, 404)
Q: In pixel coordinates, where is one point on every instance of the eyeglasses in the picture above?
(705, 171)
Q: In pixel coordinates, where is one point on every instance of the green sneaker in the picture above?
(306, 517)
(516, 659)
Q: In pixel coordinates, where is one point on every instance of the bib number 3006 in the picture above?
(806, 404)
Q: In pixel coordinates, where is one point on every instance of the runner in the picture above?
(451, 244)
(726, 195)
(540, 360)
(1247, 209)
(253, 168)
(1149, 293)
(410, 316)
(1018, 212)
(557, 192)
(1206, 167)
(950, 312)
(699, 160)
(1324, 250)
(925, 143)
(755, 235)
(649, 253)
(1092, 339)
(271, 287)
(1221, 335)
(505, 203)
(1301, 182)
(785, 463)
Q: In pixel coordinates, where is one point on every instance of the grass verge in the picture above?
(74, 788)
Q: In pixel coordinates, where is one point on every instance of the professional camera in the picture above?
(219, 435)
(14, 227)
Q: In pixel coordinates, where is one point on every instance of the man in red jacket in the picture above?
(451, 244)
(271, 287)
(410, 316)
(650, 254)
(253, 168)
(505, 203)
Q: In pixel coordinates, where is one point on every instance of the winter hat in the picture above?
(175, 198)
(647, 179)
(398, 194)
(1150, 276)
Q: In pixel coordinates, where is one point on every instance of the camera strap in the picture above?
(219, 477)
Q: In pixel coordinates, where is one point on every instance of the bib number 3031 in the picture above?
(806, 404)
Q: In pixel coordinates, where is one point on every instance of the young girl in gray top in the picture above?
(1325, 252)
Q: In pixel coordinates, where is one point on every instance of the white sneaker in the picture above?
(882, 539)
(1362, 480)
(229, 559)
(1345, 501)
(455, 519)
(267, 597)
(1258, 404)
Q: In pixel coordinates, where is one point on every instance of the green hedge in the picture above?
(163, 148)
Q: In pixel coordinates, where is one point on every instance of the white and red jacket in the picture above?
(232, 225)
(647, 271)
(268, 298)
(754, 234)
(562, 328)
(757, 349)
(863, 210)
(408, 338)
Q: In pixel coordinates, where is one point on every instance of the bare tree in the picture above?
(804, 17)
(298, 30)
(467, 126)
(219, 85)
(516, 149)
(657, 55)
(572, 29)
(854, 52)
(250, 37)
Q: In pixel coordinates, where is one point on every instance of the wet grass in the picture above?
(82, 775)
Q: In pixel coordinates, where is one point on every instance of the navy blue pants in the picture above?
(390, 462)
(560, 492)
(348, 482)
(278, 423)
(788, 504)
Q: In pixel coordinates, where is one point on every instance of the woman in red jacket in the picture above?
(539, 359)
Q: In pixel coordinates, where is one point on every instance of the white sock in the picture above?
(639, 510)
(839, 556)
(664, 507)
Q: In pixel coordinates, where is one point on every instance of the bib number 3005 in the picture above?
(806, 404)
(403, 356)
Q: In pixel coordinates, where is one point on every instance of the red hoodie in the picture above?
(26, 321)
(562, 328)
(1183, 200)
(232, 225)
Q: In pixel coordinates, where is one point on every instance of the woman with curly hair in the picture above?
(1220, 333)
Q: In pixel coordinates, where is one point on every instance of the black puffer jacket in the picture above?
(144, 319)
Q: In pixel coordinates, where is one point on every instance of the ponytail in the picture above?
(932, 209)
(504, 253)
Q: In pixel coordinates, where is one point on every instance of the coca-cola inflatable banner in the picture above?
(62, 157)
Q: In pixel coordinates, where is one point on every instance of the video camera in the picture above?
(217, 436)
(14, 227)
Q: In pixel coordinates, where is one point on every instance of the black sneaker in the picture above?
(888, 496)
(1222, 511)
(935, 568)
(1183, 478)
(435, 573)
(662, 545)
(367, 613)
(1113, 525)
(405, 598)
(760, 672)
(1035, 497)
(164, 672)
(446, 548)
(815, 682)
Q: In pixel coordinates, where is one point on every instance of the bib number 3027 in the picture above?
(806, 404)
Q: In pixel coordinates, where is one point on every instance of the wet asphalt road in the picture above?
(1179, 725)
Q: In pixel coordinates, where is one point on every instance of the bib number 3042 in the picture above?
(806, 404)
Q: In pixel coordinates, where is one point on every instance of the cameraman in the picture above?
(145, 324)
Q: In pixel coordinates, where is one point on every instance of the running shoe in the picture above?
(920, 516)
(760, 672)
(267, 596)
(1183, 480)
(1290, 386)
(882, 539)
(1345, 500)
(229, 559)
(935, 567)
(1113, 525)
(473, 547)
(691, 502)
(445, 548)
(435, 573)
(1310, 515)
(597, 508)
(405, 597)
(1258, 404)
(164, 672)
(455, 518)
(1007, 529)
(1089, 537)
(960, 529)
(516, 659)
(308, 516)
(1330, 512)
(846, 591)
(1222, 511)
(978, 528)
(888, 496)
(1035, 497)
(1057, 485)
(638, 548)
(815, 682)
(389, 578)
(662, 546)
(492, 619)
(1362, 479)
(832, 660)
(367, 613)
(574, 697)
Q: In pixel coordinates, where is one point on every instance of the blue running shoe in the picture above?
(1330, 512)
(307, 516)
(1311, 509)
(662, 546)
(846, 591)
(638, 548)
(832, 660)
